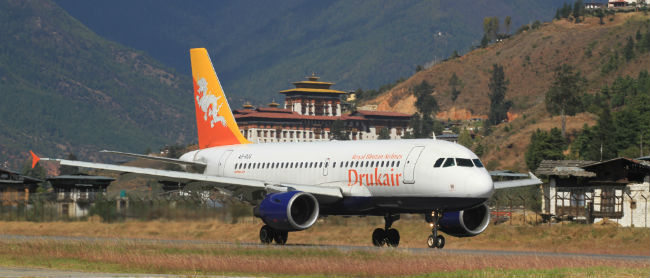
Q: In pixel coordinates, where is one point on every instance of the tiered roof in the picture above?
(311, 86)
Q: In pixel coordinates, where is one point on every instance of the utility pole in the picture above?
(601, 151)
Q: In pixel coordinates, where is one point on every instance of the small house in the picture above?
(16, 188)
(75, 194)
(588, 191)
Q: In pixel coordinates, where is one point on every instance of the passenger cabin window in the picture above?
(397, 164)
(439, 162)
(464, 162)
(449, 162)
(478, 163)
(334, 164)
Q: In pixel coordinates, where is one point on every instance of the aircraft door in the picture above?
(222, 162)
(409, 166)
(325, 166)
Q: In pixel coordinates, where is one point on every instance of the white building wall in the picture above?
(636, 206)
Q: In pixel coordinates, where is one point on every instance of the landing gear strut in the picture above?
(435, 240)
(387, 235)
(268, 235)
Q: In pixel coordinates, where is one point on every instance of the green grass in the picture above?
(599, 271)
(201, 259)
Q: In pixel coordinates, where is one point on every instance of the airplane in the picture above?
(291, 185)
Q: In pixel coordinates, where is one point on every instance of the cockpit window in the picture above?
(478, 163)
(439, 162)
(449, 162)
(464, 162)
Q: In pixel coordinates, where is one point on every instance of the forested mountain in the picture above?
(65, 89)
(259, 47)
(610, 57)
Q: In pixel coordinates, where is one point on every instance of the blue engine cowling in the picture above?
(465, 223)
(288, 211)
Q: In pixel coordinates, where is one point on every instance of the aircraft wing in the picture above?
(248, 190)
(532, 180)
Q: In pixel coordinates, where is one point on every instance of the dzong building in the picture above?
(310, 109)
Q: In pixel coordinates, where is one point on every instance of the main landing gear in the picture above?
(268, 235)
(435, 240)
(387, 235)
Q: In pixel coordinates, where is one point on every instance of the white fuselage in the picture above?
(397, 172)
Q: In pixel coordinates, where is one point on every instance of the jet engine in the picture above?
(288, 211)
(465, 223)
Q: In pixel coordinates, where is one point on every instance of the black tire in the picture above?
(440, 242)
(379, 237)
(266, 234)
(281, 237)
(392, 238)
(431, 241)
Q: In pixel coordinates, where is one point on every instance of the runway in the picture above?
(339, 247)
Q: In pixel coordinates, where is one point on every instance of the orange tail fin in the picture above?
(215, 122)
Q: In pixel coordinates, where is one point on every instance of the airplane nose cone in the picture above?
(481, 185)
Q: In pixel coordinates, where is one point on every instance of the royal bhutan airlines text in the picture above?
(374, 177)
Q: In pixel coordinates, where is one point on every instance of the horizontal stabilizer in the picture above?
(196, 166)
(533, 180)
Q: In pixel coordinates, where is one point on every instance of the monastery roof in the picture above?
(294, 116)
(312, 90)
(273, 109)
(313, 82)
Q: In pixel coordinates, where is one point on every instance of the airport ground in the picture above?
(334, 247)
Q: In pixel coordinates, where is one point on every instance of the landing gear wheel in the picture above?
(440, 241)
(431, 241)
(266, 234)
(434, 240)
(378, 237)
(281, 237)
(392, 238)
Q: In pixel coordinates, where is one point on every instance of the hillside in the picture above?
(259, 47)
(65, 89)
(529, 60)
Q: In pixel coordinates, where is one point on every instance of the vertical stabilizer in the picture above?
(214, 120)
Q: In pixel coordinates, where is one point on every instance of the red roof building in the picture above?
(309, 111)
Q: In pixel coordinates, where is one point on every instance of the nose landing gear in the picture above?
(387, 235)
(435, 240)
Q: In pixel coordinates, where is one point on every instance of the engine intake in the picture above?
(465, 223)
(288, 211)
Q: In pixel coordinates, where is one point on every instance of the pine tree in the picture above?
(423, 123)
(578, 10)
(465, 139)
(605, 131)
(544, 145)
(454, 82)
(563, 98)
(498, 105)
(628, 49)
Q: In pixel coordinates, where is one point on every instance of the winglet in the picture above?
(35, 159)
